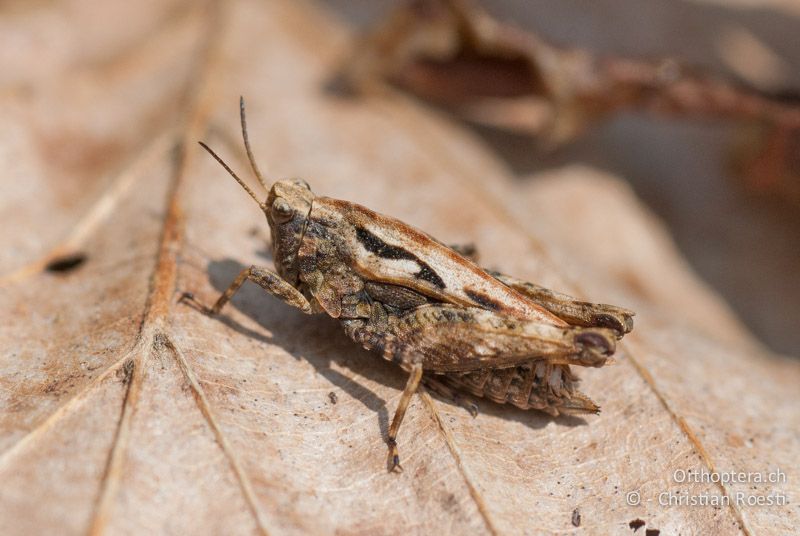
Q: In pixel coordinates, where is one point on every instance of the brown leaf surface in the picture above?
(455, 54)
(126, 412)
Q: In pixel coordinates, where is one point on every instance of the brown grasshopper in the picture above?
(425, 306)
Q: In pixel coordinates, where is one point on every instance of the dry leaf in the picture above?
(492, 73)
(456, 55)
(124, 411)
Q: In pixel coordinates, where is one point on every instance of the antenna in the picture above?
(253, 164)
(234, 175)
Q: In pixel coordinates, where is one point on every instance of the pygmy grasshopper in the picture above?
(425, 306)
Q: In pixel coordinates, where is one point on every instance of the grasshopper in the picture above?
(425, 306)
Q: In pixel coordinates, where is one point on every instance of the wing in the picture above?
(380, 248)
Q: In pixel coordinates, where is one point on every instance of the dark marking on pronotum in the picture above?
(426, 273)
(66, 263)
(483, 300)
(576, 518)
(652, 532)
(375, 245)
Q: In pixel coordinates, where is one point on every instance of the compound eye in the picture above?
(281, 211)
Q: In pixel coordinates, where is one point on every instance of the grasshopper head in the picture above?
(287, 209)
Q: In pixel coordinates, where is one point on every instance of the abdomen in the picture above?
(532, 385)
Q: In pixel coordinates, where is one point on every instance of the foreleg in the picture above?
(269, 281)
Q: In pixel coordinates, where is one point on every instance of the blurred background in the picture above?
(738, 228)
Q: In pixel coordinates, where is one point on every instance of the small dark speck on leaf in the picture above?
(66, 263)
(652, 532)
(333, 398)
(636, 524)
(576, 518)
